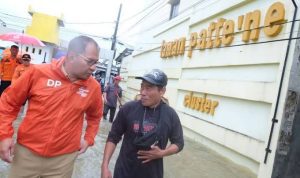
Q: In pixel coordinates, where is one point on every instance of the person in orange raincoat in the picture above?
(20, 69)
(60, 96)
(7, 67)
(7, 52)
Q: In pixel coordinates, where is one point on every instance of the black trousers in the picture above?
(4, 85)
(111, 113)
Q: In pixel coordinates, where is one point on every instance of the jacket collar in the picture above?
(57, 66)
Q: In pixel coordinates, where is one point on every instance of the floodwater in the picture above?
(195, 161)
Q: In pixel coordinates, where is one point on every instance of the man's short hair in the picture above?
(14, 46)
(79, 43)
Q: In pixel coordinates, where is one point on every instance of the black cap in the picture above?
(26, 55)
(155, 77)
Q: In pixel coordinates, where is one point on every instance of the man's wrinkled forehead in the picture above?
(148, 84)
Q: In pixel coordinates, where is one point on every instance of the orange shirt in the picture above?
(54, 119)
(7, 68)
(20, 69)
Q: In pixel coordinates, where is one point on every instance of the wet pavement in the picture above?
(195, 161)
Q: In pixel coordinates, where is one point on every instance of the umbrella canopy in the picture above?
(21, 38)
(6, 44)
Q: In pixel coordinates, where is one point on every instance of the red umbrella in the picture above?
(21, 38)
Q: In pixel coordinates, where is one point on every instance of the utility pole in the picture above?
(113, 47)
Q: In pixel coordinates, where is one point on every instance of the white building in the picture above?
(225, 61)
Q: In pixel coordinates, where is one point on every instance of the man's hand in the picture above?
(83, 146)
(105, 172)
(120, 105)
(152, 154)
(7, 150)
(104, 98)
(108, 152)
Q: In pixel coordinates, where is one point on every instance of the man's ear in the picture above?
(163, 91)
(71, 55)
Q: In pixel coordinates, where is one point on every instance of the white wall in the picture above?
(243, 79)
(40, 54)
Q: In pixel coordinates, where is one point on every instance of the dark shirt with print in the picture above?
(128, 123)
(112, 93)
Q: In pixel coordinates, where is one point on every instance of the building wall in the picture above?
(39, 55)
(242, 79)
(44, 27)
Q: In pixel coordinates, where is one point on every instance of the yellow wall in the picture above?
(44, 27)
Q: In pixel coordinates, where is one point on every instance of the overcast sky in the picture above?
(95, 17)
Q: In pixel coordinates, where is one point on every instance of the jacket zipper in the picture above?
(59, 115)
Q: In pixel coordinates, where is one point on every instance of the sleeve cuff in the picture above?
(3, 137)
(89, 141)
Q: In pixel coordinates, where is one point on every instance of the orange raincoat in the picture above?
(54, 120)
(7, 68)
(20, 69)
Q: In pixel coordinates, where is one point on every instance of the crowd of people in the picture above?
(63, 94)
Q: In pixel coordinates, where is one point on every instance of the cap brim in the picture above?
(27, 56)
(150, 80)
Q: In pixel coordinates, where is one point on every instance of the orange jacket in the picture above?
(54, 120)
(7, 68)
(20, 69)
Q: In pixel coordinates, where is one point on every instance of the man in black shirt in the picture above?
(147, 125)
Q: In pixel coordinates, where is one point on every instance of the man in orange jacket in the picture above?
(60, 96)
(7, 67)
(20, 69)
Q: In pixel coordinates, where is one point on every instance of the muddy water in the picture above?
(195, 161)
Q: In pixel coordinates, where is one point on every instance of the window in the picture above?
(33, 50)
(26, 49)
(40, 51)
(174, 8)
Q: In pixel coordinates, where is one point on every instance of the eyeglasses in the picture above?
(88, 61)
